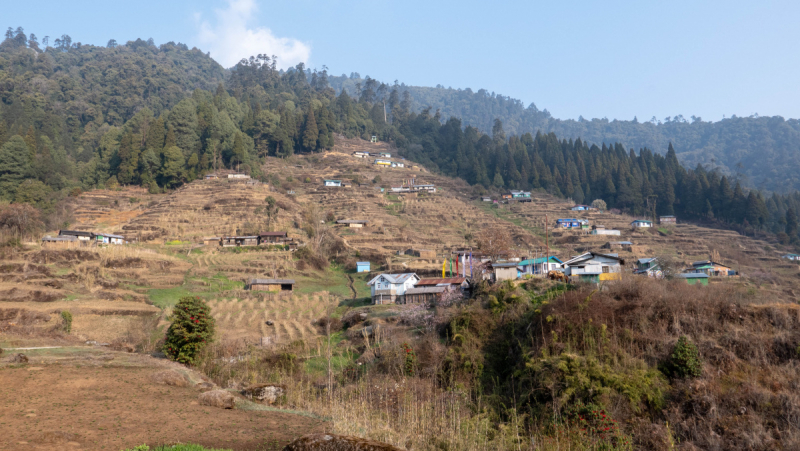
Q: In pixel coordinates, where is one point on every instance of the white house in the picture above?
(593, 267)
(361, 154)
(332, 182)
(642, 223)
(391, 288)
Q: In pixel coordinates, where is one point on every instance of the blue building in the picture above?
(537, 266)
(362, 266)
(569, 223)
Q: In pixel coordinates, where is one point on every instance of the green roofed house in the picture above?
(694, 278)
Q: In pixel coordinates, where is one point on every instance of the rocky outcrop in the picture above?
(217, 398)
(266, 393)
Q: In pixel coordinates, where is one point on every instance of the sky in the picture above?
(590, 58)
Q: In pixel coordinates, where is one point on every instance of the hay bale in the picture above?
(217, 398)
(170, 377)
(331, 442)
(266, 393)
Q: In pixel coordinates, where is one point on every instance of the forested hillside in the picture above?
(77, 117)
(763, 151)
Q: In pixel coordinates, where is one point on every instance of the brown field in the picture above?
(90, 399)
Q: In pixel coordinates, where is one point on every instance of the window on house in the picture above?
(605, 269)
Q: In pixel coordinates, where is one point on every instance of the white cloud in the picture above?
(232, 37)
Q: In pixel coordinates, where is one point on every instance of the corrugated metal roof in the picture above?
(446, 280)
(692, 275)
(625, 243)
(75, 233)
(362, 263)
(426, 290)
(271, 281)
(536, 261)
(394, 278)
(505, 265)
(272, 234)
(352, 221)
(646, 260)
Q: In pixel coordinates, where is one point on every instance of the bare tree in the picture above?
(20, 220)
(495, 242)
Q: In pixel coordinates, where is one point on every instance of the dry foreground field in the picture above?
(92, 388)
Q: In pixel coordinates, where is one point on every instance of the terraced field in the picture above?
(292, 316)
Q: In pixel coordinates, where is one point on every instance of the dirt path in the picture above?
(107, 401)
(350, 285)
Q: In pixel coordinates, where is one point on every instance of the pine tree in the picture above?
(791, 223)
(310, 131)
(15, 165)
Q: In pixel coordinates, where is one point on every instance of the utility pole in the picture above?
(546, 243)
(384, 112)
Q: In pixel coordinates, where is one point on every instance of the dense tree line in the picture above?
(643, 183)
(76, 116)
(764, 149)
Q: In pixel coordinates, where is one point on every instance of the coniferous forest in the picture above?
(75, 117)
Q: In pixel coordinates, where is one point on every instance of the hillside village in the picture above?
(385, 210)
(399, 238)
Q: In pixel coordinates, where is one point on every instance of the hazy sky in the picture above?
(615, 59)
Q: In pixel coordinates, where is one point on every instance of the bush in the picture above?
(191, 329)
(684, 361)
(599, 204)
(66, 317)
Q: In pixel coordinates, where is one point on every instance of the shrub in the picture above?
(410, 364)
(66, 317)
(684, 361)
(191, 329)
(599, 204)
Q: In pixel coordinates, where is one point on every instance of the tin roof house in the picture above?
(594, 267)
(712, 268)
(538, 265)
(568, 223)
(391, 288)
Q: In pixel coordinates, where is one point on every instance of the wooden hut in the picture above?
(271, 284)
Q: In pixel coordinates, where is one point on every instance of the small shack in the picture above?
(568, 223)
(271, 285)
(362, 266)
(78, 234)
(353, 223)
(505, 271)
(694, 278)
(360, 154)
(211, 177)
(238, 176)
(212, 241)
(107, 238)
(332, 183)
(233, 241)
(641, 223)
(424, 295)
(667, 220)
(602, 230)
(383, 163)
(486, 199)
(272, 237)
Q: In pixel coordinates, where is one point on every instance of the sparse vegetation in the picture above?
(66, 319)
